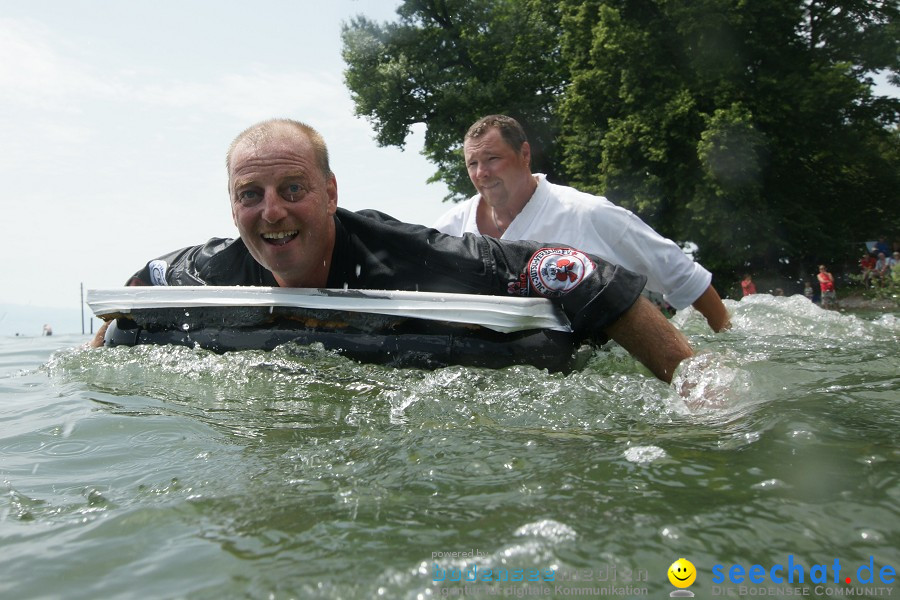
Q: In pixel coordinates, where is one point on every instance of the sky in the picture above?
(115, 118)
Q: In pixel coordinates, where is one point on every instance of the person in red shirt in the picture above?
(867, 266)
(747, 285)
(826, 282)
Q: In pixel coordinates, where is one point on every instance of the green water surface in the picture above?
(164, 472)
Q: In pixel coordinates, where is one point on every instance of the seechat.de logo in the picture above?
(794, 572)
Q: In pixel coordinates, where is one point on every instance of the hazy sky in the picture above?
(115, 117)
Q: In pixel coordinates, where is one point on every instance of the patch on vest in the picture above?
(158, 272)
(554, 272)
(518, 286)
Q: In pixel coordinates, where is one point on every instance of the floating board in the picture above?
(393, 327)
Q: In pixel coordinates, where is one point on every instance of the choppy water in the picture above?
(163, 472)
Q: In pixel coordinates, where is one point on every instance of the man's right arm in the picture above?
(607, 302)
(135, 280)
(651, 338)
(97, 342)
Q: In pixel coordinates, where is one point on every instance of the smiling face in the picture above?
(283, 205)
(501, 174)
(682, 573)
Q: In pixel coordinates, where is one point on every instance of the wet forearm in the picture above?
(710, 306)
(651, 338)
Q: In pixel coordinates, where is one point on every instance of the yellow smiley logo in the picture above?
(682, 573)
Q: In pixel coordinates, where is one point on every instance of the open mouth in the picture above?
(279, 238)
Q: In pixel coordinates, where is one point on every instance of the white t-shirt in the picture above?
(593, 224)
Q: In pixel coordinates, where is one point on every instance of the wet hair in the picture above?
(510, 130)
(266, 130)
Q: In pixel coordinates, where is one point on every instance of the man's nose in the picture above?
(273, 207)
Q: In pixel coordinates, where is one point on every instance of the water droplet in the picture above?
(870, 535)
(670, 533)
(769, 484)
(644, 454)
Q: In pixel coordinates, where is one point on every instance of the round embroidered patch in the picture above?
(158, 272)
(557, 271)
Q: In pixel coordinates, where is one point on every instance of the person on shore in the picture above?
(826, 283)
(748, 288)
(867, 269)
(512, 203)
(882, 270)
(808, 290)
(292, 234)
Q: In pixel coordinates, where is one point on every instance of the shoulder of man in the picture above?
(454, 219)
(219, 261)
(369, 214)
(571, 195)
(374, 221)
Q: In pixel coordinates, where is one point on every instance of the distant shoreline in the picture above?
(858, 301)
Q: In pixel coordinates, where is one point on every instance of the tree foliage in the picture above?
(446, 63)
(749, 127)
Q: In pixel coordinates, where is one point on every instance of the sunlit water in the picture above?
(164, 472)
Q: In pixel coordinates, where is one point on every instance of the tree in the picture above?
(447, 63)
(747, 127)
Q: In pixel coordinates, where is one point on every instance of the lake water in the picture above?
(164, 472)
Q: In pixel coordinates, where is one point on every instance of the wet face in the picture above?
(283, 206)
(500, 174)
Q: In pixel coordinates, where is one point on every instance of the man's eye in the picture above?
(294, 192)
(249, 197)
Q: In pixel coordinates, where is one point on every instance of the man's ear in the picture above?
(526, 153)
(331, 191)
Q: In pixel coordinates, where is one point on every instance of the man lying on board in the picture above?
(292, 234)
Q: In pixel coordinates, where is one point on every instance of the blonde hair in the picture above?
(266, 130)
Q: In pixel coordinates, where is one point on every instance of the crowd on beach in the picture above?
(879, 268)
(880, 264)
